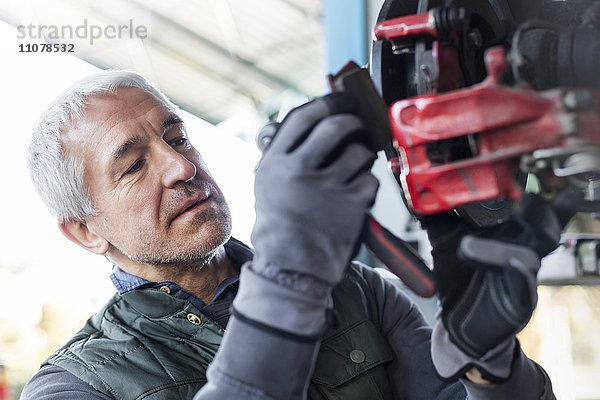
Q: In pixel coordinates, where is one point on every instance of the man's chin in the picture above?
(212, 233)
(193, 253)
(187, 245)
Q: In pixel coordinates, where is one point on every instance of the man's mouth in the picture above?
(196, 204)
(192, 204)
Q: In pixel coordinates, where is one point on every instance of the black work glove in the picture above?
(312, 189)
(486, 281)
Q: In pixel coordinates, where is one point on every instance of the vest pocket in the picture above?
(350, 364)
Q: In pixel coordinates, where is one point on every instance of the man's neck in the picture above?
(202, 281)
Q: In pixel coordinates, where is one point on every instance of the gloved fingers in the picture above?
(495, 253)
(539, 214)
(566, 204)
(535, 224)
(328, 139)
(298, 124)
(451, 362)
(442, 227)
(354, 159)
(494, 306)
(364, 187)
(493, 301)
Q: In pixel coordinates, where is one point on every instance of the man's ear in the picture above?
(78, 232)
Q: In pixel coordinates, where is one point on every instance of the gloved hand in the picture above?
(486, 281)
(312, 189)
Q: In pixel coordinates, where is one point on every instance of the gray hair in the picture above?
(57, 176)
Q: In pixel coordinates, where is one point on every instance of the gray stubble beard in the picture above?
(191, 258)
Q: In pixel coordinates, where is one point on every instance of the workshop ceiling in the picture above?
(215, 58)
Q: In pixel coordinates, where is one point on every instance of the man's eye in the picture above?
(182, 141)
(135, 167)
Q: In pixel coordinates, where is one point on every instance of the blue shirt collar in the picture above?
(237, 252)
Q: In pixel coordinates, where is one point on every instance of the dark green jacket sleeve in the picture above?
(55, 383)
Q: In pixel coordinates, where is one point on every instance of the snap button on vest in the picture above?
(357, 356)
(165, 289)
(193, 318)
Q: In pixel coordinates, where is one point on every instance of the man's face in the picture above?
(156, 199)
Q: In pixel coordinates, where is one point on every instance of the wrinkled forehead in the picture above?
(113, 117)
(124, 104)
(116, 112)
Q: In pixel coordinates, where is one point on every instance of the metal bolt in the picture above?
(578, 100)
(569, 123)
(474, 38)
(541, 164)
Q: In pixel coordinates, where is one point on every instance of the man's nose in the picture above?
(176, 168)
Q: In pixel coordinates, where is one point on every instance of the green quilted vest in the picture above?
(147, 344)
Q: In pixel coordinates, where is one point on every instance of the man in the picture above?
(112, 161)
